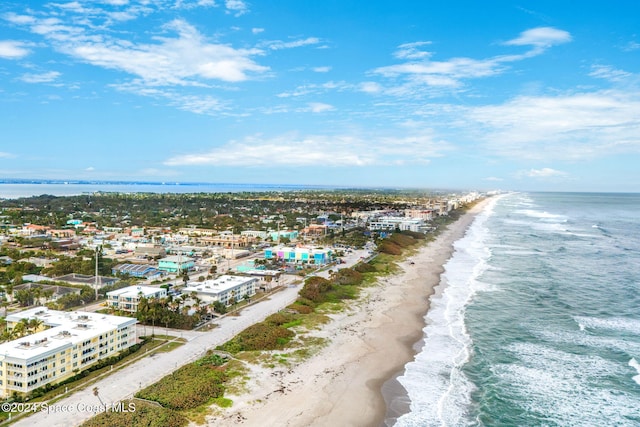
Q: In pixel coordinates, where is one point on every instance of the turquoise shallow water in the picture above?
(539, 323)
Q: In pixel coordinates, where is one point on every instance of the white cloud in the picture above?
(317, 89)
(609, 73)
(631, 46)
(19, 19)
(187, 59)
(40, 78)
(420, 71)
(116, 2)
(493, 179)
(5, 155)
(325, 69)
(319, 150)
(370, 87)
(257, 30)
(543, 173)
(237, 7)
(319, 107)
(10, 49)
(541, 37)
(411, 51)
(90, 169)
(199, 104)
(278, 44)
(565, 127)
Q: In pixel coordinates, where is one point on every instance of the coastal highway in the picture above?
(123, 384)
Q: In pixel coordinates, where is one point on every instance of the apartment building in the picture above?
(70, 343)
(127, 299)
(226, 289)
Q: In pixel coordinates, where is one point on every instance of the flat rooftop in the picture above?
(67, 328)
(134, 291)
(216, 286)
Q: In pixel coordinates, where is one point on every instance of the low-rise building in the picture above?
(153, 251)
(226, 289)
(72, 343)
(84, 279)
(127, 299)
(401, 223)
(299, 255)
(136, 270)
(176, 263)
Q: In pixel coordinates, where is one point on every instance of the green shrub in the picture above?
(314, 287)
(402, 240)
(279, 319)
(364, 267)
(145, 414)
(388, 247)
(300, 308)
(187, 388)
(416, 235)
(346, 276)
(261, 336)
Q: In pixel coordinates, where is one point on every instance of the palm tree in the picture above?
(47, 295)
(37, 293)
(96, 394)
(142, 312)
(34, 324)
(5, 303)
(20, 329)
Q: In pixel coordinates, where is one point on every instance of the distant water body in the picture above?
(539, 323)
(17, 190)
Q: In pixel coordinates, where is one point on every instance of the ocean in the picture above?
(539, 320)
(11, 190)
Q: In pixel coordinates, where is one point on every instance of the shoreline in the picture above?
(352, 381)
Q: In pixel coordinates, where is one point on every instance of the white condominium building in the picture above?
(226, 289)
(127, 299)
(72, 342)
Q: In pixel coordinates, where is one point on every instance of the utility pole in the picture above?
(97, 277)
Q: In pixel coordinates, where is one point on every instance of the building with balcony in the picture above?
(299, 255)
(226, 289)
(71, 343)
(127, 299)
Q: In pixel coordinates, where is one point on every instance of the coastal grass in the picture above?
(169, 346)
(145, 414)
(187, 388)
(183, 396)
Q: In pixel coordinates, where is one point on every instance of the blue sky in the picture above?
(533, 95)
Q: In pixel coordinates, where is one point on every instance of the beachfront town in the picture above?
(86, 279)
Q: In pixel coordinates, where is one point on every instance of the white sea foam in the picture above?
(610, 323)
(439, 390)
(560, 385)
(542, 215)
(585, 339)
(635, 365)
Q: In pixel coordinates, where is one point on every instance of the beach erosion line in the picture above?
(352, 380)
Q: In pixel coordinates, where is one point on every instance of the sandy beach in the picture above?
(368, 346)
